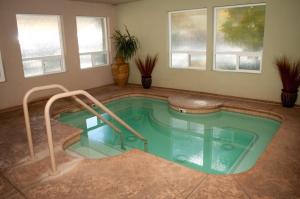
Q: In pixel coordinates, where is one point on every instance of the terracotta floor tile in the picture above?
(33, 172)
(5, 187)
(131, 175)
(218, 187)
(16, 195)
(272, 179)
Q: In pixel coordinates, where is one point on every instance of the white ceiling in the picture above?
(114, 2)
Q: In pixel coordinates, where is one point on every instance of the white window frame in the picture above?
(45, 58)
(188, 52)
(93, 54)
(2, 75)
(237, 54)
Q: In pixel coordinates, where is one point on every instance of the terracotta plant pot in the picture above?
(120, 72)
(288, 99)
(146, 81)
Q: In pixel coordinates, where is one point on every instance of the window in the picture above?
(239, 34)
(188, 34)
(41, 44)
(2, 77)
(92, 41)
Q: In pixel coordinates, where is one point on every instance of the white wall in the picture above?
(13, 90)
(148, 20)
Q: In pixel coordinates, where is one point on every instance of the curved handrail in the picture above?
(96, 102)
(57, 86)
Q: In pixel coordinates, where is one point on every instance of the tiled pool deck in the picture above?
(136, 174)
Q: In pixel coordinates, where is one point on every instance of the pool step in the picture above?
(105, 149)
(94, 151)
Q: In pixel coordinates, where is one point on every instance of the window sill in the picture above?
(239, 71)
(95, 67)
(189, 68)
(43, 75)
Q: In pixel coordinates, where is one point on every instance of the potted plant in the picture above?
(146, 67)
(290, 77)
(126, 46)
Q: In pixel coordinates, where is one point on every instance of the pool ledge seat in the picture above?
(194, 104)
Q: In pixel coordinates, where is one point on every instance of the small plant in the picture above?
(290, 77)
(289, 74)
(126, 44)
(146, 67)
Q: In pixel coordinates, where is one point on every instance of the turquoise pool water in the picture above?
(219, 143)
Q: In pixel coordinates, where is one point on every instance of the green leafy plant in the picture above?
(126, 44)
(289, 73)
(146, 67)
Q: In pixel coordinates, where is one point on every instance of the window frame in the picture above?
(2, 74)
(45, 58)
(107, 51)
(189, 52)
(238, 54)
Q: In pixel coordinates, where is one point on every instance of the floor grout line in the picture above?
(242, 188)
(46, 178)
(197, 186)
(15, 187)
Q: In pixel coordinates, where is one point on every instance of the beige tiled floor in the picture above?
(136, 174)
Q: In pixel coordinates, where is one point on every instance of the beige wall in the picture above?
(12, 91)
(148, 20)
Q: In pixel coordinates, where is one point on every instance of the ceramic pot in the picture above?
(288, 99)
(120, 72)
(146, 81)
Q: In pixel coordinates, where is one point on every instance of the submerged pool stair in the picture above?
(96, 149)
(101, 151)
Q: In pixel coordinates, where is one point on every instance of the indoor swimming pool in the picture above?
(219, 143)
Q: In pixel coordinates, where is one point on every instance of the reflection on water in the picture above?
(214, 143)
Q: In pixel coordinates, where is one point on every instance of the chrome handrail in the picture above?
(96, 102)
(57, 86)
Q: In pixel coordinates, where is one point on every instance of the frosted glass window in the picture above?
(239, 34)
(250, 63)
(92, 41)
(86, 61)
(226, 61)
(41, 44)
(2, 77)
(180, 60)
(188, 34)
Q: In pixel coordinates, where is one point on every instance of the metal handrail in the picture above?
(57, 86)
(96, 102)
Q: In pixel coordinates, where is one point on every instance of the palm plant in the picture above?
(126, 44)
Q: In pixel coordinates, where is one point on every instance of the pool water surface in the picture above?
(218, 143)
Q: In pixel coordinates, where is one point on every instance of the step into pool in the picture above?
(218, 143)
